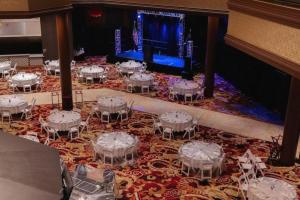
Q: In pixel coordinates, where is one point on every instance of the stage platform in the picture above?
(164, 60)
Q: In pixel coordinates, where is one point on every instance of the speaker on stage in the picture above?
(148, 53)
(187, 73)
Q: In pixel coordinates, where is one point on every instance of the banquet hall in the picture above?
(148, 100)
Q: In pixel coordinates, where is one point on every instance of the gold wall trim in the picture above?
(275, 12)
(268, 57)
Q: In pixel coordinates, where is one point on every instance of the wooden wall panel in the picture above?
(278, 40)
(47, 4)
(13, 5)
(217, 6)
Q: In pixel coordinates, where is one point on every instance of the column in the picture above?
(292, 126)
(63, 28)
(212, 34)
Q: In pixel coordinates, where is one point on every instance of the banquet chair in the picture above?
(26, 88)
(105, 116)
(47, 70)
(6, 114)
(172, 94)
(185, 167)
(206, 171)
(54, 94)
(200, 94)
(259, 167)
(74, 131)
(53, 132)
(12, 86)
(95, 111)
(145, 88)
(108, 154)
(95, 152)
(79, 76)
(80, 94)
(220, 163)
(117, 64)
(5, 73)
(123, 114)
(89, 79)
(39, 83)
(130, 73)
(27, 111)
(129, 87)
(57, 72)
(43, 124)
(130, 108)
(84, 124)
(73, 63)
(243, 186)
(157, 125)
(245, 158)
(130, 151)
(167, 133)
(190, 131)
(13, 70)
(188, 96)
(47, 62)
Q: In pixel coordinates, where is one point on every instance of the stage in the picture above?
(163, 60)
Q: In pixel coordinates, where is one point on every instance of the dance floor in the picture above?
(155, 174)
(227, 99)
(158, 59)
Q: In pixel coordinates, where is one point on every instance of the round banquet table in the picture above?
(92, 71)
(111, 104)
(4, 66)
(184, 87)
(53, 65)
(116, 143)
(130, 66)
(22, 79)
(267, 188)
(196, 153)
(14, 104)
(177, 120)
(140, 79)
(64, 120)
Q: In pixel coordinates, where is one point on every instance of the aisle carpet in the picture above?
(156, 172)
(227, 99)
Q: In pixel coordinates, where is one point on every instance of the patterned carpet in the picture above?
(227, 99)
(156, 172)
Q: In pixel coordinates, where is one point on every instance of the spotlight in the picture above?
(139, 16)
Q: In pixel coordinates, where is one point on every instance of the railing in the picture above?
(23, 59)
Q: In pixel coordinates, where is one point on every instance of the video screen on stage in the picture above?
(162, 33)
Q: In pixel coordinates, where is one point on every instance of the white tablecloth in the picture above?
(196, 153)
(184, 87)
(177, 120)
(111, 104)
(64, 120)
(140, 79)
(22, 79)
(130, 66)
(92, 71)
(117, 143)
(267, 188)
(53, 65)
(4, 66)
(14, 104)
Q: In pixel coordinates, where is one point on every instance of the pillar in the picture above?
(63, 28)
(292, 126)
(212, 36)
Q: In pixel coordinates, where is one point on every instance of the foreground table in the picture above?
(117, 144)
(92, 71)
(13, 103)
(5, 66)
(267, 188)
(64, 120)
(196, 153)
(21, 79)
(141, 79)
(184, 87)
(177, 120)
(130, 66)
(111, 104)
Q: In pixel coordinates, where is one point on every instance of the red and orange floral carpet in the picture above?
(227, 99)
(155, 174)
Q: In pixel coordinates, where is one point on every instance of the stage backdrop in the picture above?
(162, 33)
